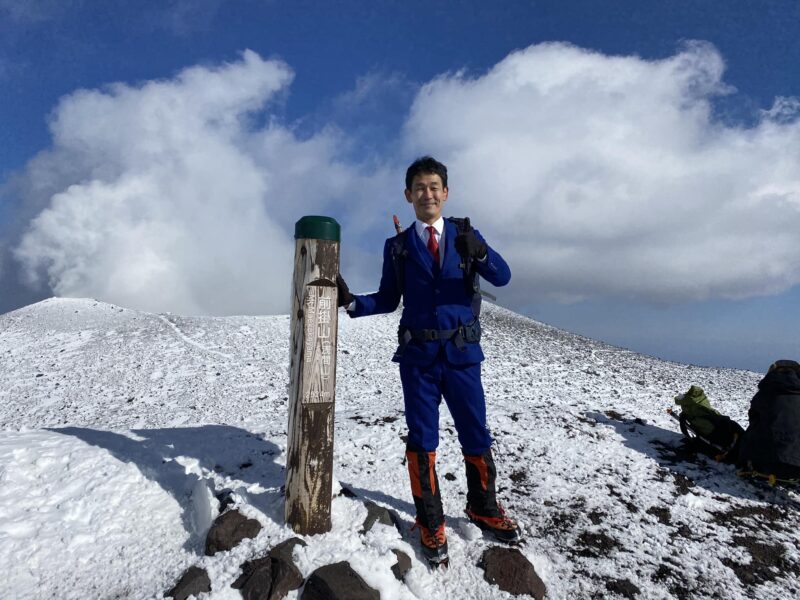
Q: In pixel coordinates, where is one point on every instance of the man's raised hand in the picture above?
(469, 246)
(345, 297)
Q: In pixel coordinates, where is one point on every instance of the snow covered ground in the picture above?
(118, 426)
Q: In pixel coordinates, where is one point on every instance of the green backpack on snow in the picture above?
(713, 434)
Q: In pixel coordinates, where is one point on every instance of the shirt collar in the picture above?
(421, 227)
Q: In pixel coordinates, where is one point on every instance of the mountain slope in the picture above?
(119, 426)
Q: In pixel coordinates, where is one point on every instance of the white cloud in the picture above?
(594, 175)
(166, 198)
(599, 175)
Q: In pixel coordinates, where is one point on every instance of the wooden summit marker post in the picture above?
(312, 375)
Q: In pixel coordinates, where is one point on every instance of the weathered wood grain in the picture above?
(312, 372)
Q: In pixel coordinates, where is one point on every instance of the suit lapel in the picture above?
(449, 247)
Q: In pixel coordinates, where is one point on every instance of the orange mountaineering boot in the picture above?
(482, 506)
(428, 502)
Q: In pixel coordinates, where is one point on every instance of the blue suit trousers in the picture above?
(460, 385)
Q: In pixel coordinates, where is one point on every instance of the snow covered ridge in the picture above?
(119, 426)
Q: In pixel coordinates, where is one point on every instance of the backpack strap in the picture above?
(472, 281)
(398, 252)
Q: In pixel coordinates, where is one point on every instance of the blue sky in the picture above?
(649, 177)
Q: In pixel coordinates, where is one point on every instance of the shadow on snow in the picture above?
(186, 462)
(673, 452)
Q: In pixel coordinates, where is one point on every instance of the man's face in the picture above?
(427, 195)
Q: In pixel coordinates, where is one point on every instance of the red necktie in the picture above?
(433, 244)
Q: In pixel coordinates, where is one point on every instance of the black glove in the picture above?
(469, 246)
(345, 297)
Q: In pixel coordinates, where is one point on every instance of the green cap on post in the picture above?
(317, 228)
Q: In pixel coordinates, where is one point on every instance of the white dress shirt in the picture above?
(422, 232)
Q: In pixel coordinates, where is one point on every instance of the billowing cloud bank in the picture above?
(594, 175)
(169, 199)
(608, 175)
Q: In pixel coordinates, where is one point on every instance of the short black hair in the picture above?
(426, 165)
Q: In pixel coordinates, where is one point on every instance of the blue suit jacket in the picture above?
(434, 298)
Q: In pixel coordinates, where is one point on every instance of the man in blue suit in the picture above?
(433, 265)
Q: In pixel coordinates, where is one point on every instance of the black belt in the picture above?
(469, 333)
(431, 335)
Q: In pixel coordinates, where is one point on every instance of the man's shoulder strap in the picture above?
(398, 252)
(397, 244)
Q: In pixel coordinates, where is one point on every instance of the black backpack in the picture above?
(472, 281)
(771, 445)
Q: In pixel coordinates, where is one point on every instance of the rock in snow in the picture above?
(509, 570)
(228, 530)
(337, 582)
(377, 514)
(271, 577)
(402, 566)
(195, 581)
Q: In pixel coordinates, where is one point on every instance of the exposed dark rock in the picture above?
(250, 568)
(285, 549)
(228, 530)
(675, 583)
(508, 569)
(596, 544)
(517, 476)
(285, 578)
(661, 513)
(337, 582)
(402, 566)
(377, 514)
(271, 577)
(776, 518)
(255, 582)
(578, 503)
(683, 483)
(285, 574)
(684, 531)
(662, 574)
(623, 587)
(596, 517)
(767, 562)
(449, 477)
(560, 522)
(195, 581)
